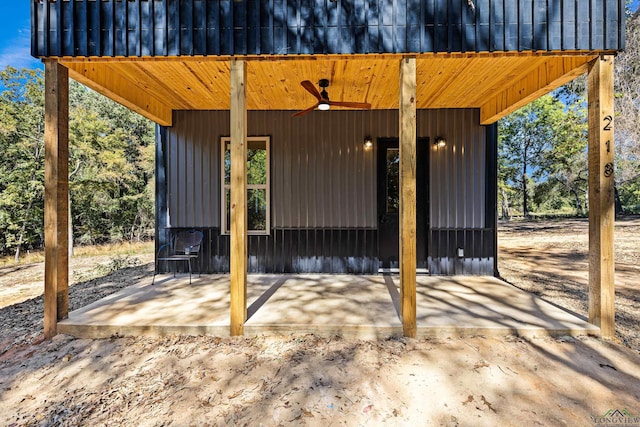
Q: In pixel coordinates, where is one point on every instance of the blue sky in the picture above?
(15, 34)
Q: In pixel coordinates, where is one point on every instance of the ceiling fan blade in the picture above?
(364, 105)
(303, 112)
(311, 88)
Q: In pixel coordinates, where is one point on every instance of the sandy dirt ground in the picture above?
(315, 381)
(309, 380)
(551, 259)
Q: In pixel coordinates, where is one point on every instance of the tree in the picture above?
(113, 156)
(627, 108)
(565, 165)
(627, 125)
(526, 141)
(111, 152)
(22, 160)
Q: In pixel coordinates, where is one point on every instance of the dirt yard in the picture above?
(551, 259)
(308, 380)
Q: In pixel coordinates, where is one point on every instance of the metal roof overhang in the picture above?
(495, 83)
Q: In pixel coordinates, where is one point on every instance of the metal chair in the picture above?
(185, 246)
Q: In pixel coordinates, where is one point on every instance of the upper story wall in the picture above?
(133, 28)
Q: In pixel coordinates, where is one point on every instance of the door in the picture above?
(389, 202)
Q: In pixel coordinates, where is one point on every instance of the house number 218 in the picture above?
(608, 168)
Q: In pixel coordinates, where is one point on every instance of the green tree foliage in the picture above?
(542, 158)
(111, 169)
(111, 165)
(257, 160)
(564, 167)
(22, 159)
(627, 122)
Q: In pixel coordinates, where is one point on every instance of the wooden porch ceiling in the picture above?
(496, 84)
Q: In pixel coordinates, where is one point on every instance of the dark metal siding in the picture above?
(193, 173)
(226, 27)
(458, 202)
(323, 188)
(457, 172)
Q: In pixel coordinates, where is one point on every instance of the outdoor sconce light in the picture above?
(368, 143)
(440, 142)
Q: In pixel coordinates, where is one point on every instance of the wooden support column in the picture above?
(238, 197)
(408, 195)
(601, 195)
(56, 193)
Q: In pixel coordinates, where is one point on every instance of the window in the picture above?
(393, 180)
(258, 202)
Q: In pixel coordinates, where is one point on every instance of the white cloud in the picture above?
(17, 52)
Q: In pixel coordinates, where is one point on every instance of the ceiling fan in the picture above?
(323, 99)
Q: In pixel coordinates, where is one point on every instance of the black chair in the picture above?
(184, 247)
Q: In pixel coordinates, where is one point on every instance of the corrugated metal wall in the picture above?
(323, 185)
(321, 176)
(193, 170)
(223, 27)
(457, 173)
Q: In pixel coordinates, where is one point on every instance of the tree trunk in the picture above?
(576, 196)
(525, 160)
(17, 257)
(23, 230)
(506, 214)
(75, 171)
(525, 205)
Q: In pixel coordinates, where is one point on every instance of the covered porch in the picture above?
(365, 307)
(410, 315)
(159, 60)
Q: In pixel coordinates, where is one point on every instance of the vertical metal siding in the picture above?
(193, 171)
(321, 176)
(323, 189)
(279, 27)
(457, 171)
(458, 197)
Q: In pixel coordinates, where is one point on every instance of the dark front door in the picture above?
(389, 201)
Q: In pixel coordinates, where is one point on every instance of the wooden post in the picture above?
(601, 197)
(408, 195)
(238, 197)
(56, 193)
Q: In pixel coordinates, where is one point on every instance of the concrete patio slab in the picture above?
(479, 305)
(350, 306)
(354, 306)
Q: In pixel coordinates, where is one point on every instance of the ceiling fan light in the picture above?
(323, 106)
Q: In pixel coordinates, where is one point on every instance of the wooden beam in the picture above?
(545, 78)
(121, 90)
(238, 197)
(408, 260)
(601, 196)
(56, 193)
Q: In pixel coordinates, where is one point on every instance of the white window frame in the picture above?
(223, 199)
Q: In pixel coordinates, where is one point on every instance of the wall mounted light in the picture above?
(368, 143)
(440, 142)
